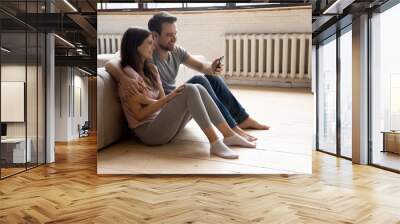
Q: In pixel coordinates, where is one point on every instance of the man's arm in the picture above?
(113, 67)
(122, 77)
(202, 67)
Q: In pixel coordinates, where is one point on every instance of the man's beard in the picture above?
(166, 47)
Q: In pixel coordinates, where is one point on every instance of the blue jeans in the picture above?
(230, 108)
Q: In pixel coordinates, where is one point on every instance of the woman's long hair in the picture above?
(131, 40)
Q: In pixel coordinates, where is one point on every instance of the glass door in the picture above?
(15, 147)
(22, 76)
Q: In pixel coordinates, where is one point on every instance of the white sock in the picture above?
(238, 140)
(219, 149)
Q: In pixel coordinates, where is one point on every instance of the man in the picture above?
(168, 56)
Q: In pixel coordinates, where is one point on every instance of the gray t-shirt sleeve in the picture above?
(181, 54)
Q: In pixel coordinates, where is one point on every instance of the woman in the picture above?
(157, 118)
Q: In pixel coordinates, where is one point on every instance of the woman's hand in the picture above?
(176, 92)
(144, 112)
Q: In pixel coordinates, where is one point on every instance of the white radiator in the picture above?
(255, 59)
(268, 58)
(108, 43)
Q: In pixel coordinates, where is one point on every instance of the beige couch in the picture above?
(111, 123)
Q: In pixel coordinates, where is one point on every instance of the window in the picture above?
(327, 96)
(255, 4)
(194, 5)
(346, 93)
(161, 5)
(335, 61)
(385, 87)
(164, 5)
(394, 101)
(117, 6)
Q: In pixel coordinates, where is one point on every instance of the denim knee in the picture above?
(215, 80)
(198, 79)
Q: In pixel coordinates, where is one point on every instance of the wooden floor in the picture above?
(70, 191)
(284, 149)
(386, 159)
(10, 171)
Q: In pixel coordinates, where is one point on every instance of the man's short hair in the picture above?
(155, 23)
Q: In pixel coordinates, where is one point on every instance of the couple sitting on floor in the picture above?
(156, 110)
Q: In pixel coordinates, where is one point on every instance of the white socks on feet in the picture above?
(219, 149)
(238, 140)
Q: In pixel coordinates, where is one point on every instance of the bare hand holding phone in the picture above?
(217, 65)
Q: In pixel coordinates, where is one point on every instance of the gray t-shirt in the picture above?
(168, 68)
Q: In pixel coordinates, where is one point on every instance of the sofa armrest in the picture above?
(111, 122)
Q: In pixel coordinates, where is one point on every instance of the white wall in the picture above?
(202, 32)
(33, 77)
(61, 103)
(68, 82)
(81, 84)
(17, 73)
(14, 73)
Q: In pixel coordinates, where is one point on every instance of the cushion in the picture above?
(103, 58)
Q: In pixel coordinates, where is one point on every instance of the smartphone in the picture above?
(219, 63)
(220, 59)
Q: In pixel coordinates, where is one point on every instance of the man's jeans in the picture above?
(230, 108)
